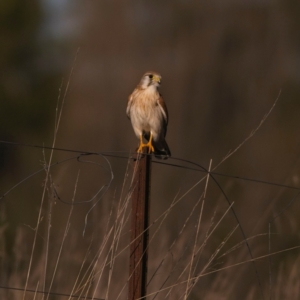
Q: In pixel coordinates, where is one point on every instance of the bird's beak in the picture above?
(156, 79)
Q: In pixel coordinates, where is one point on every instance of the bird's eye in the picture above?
(150, 76)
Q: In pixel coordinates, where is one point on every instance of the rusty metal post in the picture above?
(139, 224)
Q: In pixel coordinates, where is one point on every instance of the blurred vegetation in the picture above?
(29, 83)
(28, 91)
(23, 81)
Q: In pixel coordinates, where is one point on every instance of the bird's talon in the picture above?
(150, 149)
(148, 145)
(140, 149)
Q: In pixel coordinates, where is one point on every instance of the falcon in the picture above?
(149, 115)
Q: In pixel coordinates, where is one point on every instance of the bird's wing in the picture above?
(162, 105)
(129, 102)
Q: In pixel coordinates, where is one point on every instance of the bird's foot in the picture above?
(148, 145)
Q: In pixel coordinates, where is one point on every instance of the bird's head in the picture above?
(150, 79)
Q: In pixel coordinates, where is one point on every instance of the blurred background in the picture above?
(223, 65)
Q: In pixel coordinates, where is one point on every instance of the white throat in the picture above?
(151, 89)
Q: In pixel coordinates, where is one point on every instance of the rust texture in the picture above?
(139, 224)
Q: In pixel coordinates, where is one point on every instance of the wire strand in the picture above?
(130, 155)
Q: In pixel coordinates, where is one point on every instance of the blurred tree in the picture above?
(29, 83)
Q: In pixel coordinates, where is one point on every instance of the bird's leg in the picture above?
(142, 145)
(140, 148)
(149, 144)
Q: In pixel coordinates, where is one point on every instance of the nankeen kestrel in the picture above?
(149, 115)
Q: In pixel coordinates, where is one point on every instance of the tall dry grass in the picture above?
(76, 245)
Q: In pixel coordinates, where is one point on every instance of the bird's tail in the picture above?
(161, 150)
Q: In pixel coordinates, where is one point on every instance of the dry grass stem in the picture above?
(64, 236)
(253, 132)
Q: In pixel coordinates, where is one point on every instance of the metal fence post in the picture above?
(139, 226)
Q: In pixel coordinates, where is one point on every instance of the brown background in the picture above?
(223, 65)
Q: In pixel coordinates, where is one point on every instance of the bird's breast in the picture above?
(144, 110)
(145, 103)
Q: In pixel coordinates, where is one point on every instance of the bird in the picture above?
(148, 114)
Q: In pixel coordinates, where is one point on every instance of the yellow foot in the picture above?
(148, 145)
(142, 145)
